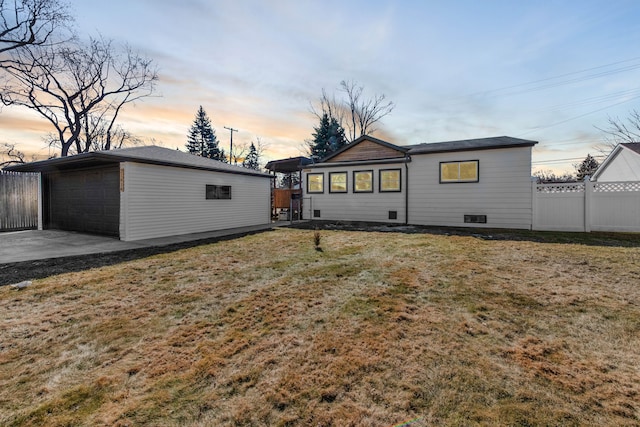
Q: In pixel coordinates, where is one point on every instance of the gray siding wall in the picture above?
(350, 206)
(503, 192)
(161, 201)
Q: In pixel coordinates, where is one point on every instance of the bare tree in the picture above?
(620, 131)
(548, 176)
(241, 150)
(30, 22)
(10, 155)
(331, 107)
(355, 113)
(76, 86)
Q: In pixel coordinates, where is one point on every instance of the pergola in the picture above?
(287, 198)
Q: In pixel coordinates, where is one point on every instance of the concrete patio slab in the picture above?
(32, 245)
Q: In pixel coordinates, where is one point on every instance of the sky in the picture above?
(549, 71)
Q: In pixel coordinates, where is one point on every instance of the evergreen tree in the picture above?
(587, 167)
(202, 140)
(328, 138)
(252, 160)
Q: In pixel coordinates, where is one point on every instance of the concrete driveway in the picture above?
(34, 245)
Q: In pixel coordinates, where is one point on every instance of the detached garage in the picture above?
(147, 192)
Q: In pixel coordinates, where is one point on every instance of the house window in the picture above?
(315, 183)
(390, 180)
(218, 192)
(337, 182)
(459, 171)
(363, 181)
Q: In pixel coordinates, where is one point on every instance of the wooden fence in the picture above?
(18, 200)
(587, 206)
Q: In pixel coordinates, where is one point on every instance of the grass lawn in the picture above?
(374, 330)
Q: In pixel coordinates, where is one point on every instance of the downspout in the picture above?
(407, 159)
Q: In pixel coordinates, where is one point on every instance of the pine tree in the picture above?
(328, 138)
(202, 140)
(586, 168)
(252, 160)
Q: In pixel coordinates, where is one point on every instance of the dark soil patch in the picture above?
(591, 239)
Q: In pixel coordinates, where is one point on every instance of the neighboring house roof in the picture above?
(632, 147)
(391, 151)
(148, 154)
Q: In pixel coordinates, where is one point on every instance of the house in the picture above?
(482, 182)
(622, 164)
(148, 192)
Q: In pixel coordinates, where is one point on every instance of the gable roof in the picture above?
(470, 144)
(631, 146)
(436, 147)
(148, 154)
(399, 149)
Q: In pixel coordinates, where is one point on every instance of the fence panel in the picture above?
(615, 206)
(559, 207)
(18, 200)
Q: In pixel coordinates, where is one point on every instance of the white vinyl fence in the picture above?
(587, 206)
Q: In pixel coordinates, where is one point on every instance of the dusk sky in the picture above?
(551, 71)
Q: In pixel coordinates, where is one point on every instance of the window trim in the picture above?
(459, 181)
(216, 191)
(381, 190)
(308, 182)
(355, 190)
(346, 182)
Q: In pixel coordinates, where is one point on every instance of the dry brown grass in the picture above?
(374, 330)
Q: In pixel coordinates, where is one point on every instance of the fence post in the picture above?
(534, 183)
(588, 191)
(40, 226)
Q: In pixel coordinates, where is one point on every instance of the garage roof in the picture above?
(148, 154)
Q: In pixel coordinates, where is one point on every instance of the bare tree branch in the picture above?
(355, 113)
(620, 131)
(364, 112)
(30, 22)
(10, 155)
(76, 87)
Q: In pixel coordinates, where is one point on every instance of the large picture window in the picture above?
(363, 181)
(390, 180)
(315, 183)
(218, 192)
(337, 182)
(466, 171)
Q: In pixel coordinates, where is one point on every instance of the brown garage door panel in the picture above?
(85, 200)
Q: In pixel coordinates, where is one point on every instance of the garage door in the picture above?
(86, 200)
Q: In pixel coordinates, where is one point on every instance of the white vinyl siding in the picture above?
(625, 166)
(161, 201)
(503, 192)
(357, 206)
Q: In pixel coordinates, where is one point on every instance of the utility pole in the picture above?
(232, 130)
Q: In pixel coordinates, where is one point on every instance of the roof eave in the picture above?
(387, 161)
(428, 150)
(606, 161)
(106, 157)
